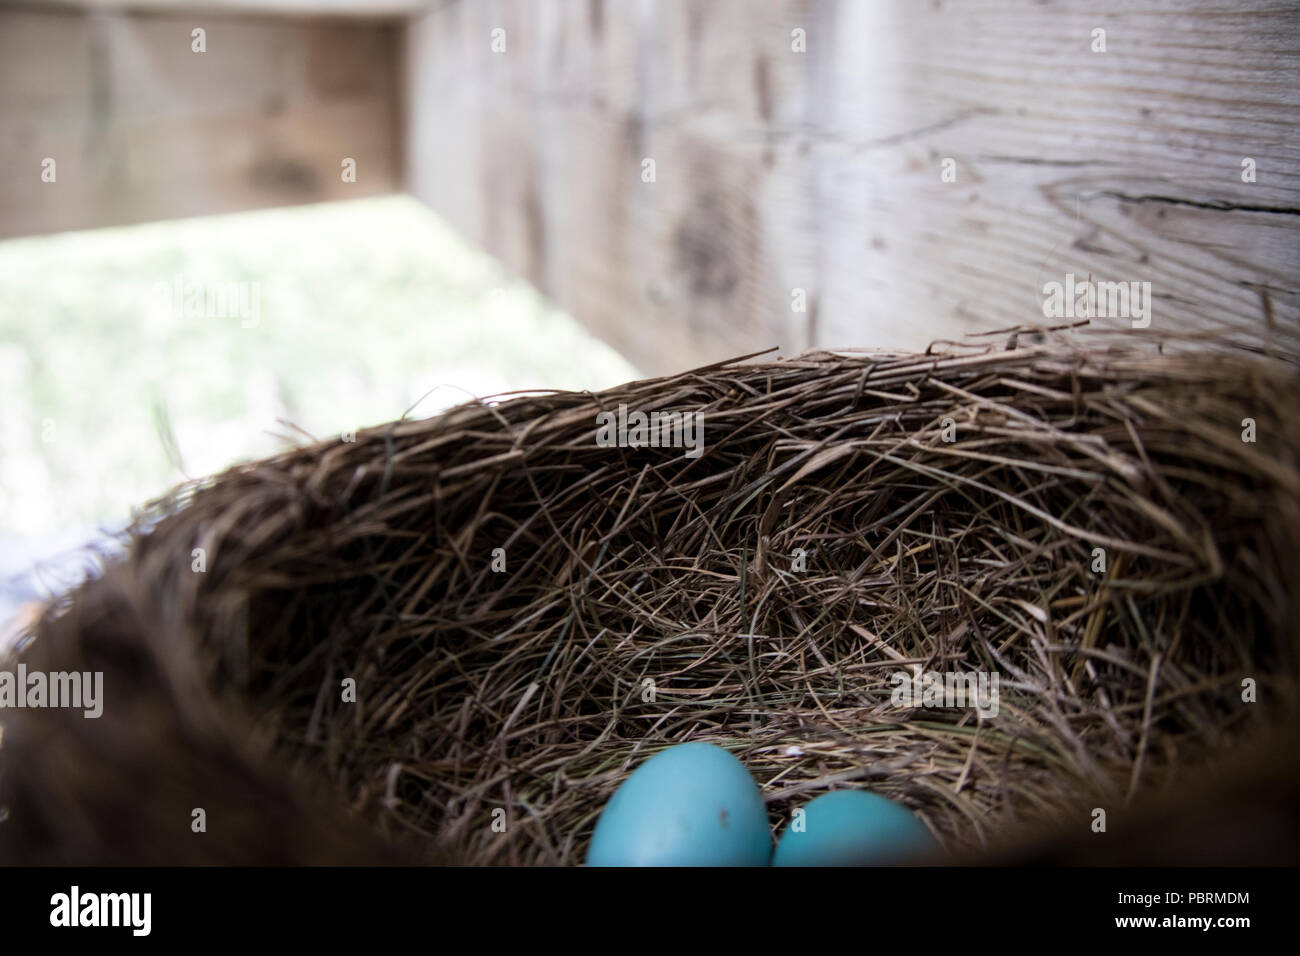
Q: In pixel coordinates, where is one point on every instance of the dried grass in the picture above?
(524, 690)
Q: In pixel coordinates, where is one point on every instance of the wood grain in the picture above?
(143, 128)
(779, 170)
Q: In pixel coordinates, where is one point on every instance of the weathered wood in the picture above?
(141, 127)
(778, 170)
(359, 8)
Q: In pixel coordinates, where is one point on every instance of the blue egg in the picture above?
(690, 805)
(854, 828)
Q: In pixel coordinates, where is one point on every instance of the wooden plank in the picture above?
(143, 128)
(778, 170)
(342, 8)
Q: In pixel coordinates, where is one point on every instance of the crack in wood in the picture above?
(1214, 204)
(1038, 161)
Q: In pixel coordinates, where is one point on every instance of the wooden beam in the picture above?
(141, 127)
(340, 8)
(778, 171)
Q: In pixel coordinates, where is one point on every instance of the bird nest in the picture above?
(452, 638)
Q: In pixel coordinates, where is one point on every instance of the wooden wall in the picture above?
(143, 128)
(797, 197)
(779, 170)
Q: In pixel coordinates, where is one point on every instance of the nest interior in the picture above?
(526, 614)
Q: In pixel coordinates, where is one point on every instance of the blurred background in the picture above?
(233, 225)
